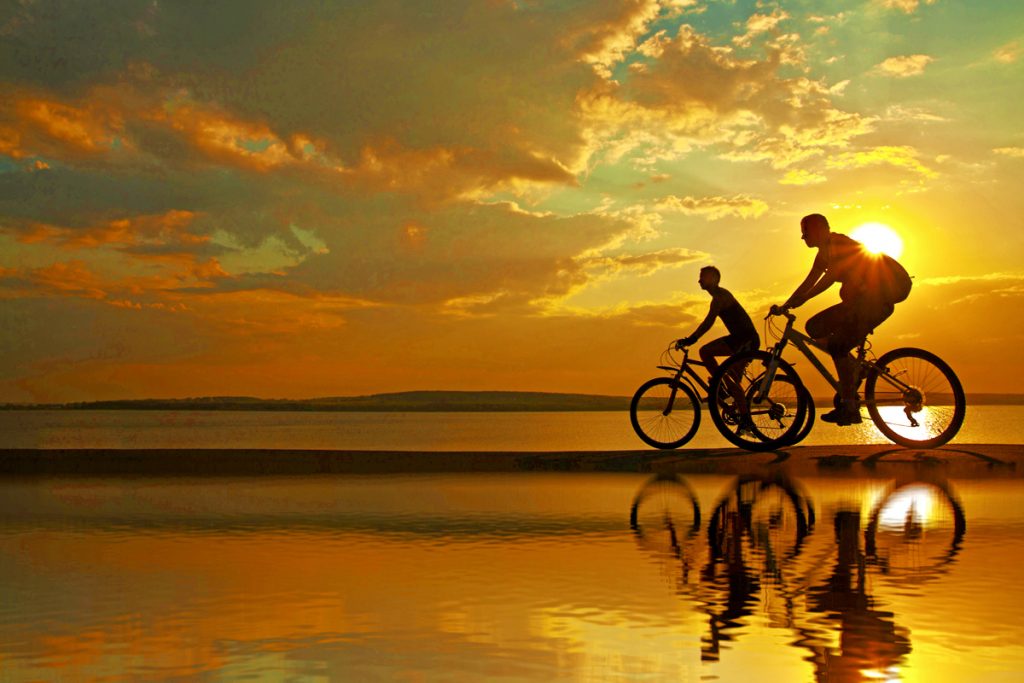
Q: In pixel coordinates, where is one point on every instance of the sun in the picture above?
(878, 238)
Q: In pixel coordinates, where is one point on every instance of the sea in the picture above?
(411, 431)
(904, 570)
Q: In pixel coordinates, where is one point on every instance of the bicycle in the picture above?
(912, 396)
(665, 411)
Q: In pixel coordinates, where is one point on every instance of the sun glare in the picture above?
(879, 238)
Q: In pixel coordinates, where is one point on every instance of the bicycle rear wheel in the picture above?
(665, 413)
(775, 421)
(914, 398)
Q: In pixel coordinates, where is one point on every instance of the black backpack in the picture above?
(890, 277)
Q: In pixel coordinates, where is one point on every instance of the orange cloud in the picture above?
(695, 94)
(443, 173)
(32, 124)
(905, 6)
(170, 228)
(604, 41)
(901, 157)
(77, 279)
(758, 24)
(71, 278)
(714, 208)
(798, 176)
(904, 66)
(224, 138)
(1009, 53)
(95, 124)
(600, 267)
(1014, 152)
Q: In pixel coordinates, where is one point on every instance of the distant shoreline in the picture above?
(414, 401)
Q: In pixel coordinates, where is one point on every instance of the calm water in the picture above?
(894, 575)
(409, 431)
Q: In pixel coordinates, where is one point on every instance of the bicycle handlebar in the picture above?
(780, 311)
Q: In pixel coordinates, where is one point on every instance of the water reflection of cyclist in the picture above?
(742, 334)
(871, 285)
(871, 644)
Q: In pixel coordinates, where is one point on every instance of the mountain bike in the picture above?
(665, 411)
(913, 397)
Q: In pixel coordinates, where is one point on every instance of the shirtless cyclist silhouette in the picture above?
(742, 333)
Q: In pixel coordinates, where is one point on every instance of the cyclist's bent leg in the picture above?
(838, 327)
(712, 350)
(854, 320)
(823, 324)
(728, 345)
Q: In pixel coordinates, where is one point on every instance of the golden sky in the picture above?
(313, 199)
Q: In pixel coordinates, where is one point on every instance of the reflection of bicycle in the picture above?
(772, 515)
(912, 396)
(755, 536)
(915, 529)
(665, 411)
(665, 519)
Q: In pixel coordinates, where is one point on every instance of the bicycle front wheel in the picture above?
(757, 425)
(665, 413)
(805, 429)
(914, 398)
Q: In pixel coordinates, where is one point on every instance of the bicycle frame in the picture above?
(804, 344)
(691, 377)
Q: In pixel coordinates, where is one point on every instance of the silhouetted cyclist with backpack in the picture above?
(871, 285)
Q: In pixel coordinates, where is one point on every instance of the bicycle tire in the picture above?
(914, 555)
(808, 419)
(738, 513)
(933, 393)
(665, 513)
(653, 425)
(773, 429)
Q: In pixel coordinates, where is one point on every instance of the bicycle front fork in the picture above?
(769, 377)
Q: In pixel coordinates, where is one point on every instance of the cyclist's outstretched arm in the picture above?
(816, 282)
(709, 320)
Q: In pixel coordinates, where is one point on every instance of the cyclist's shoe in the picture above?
(843, 416)
(746, 427)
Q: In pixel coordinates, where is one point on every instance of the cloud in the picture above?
(1014, 152)
(604, 40)
(71, 278)
(792, 144)
(898, 156)
(640, 264)
(170, 229)
(694, 94)
(1009, 53)
(76, 278)
(899, 112)
(263, 89)
(946, 280)
(798, 176)
(455, 252)
(759, 24)
(905, 6)
(904, 66)
(715, 208)
(32, 124)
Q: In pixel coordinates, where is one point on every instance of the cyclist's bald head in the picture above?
(814, 222)
(813, 228)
